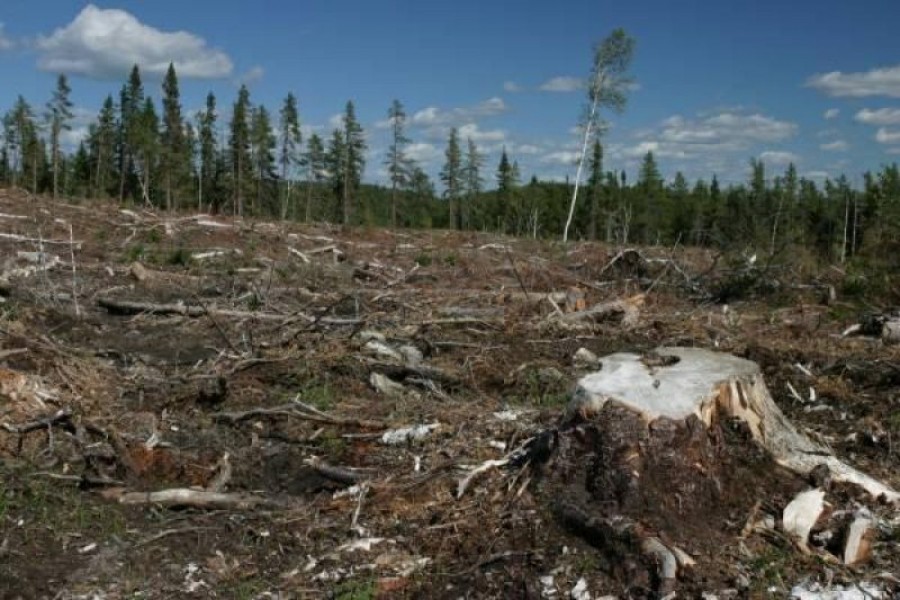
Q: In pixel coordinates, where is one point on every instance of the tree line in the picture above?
(259, 164)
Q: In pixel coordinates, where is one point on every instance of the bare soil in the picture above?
(150, 402)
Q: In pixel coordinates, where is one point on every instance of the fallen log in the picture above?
(178, 497)
(127, 307)
(627, 311)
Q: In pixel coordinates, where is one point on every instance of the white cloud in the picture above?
(476, 134)
(881, 116)
(427, 116)
(336, 121)
(561, 157)
(876, 82)
(250, 77)
(831, 113)
(512, 87)
(835, 146)
(778, 157)
(887, 136)
(106, 43)
(526, 149)
(708, 135)
(817, 175)
(6, 42)
(562, 84)
(422, 152)
(432, 115)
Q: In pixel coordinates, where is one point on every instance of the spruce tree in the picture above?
(315, 165)
(239, 146)
(595, 189)
(398, 166)
(59, 113)
(473, 181)
(290, 139)
(353, 160)
(206, 138)
(452, 178)
(131, 103)
(262, 144)
(175, 158)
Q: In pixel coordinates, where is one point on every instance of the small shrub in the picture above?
(135, 253)
(423, 260)
(179, 258)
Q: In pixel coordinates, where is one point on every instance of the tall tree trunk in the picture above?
(55, 152)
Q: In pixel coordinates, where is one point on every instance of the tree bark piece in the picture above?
(677, 383)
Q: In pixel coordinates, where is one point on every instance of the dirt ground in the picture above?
(285, 352)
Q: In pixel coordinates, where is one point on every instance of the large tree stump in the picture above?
(661, 455)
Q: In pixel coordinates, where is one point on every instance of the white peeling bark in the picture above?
(712, 385)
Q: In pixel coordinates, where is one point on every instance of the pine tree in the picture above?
(452, 178)
(335, 159)
(239, 146)
(147, 147)
(315, 165)
(506, 180)
(102, 148)
(19, 133)
(290, 140)
(353, 160)
(397, 164)
(59, 113)
(262, 144)
(206, 134)
(131, 104)
(175, 159)
(595, 188)
(473, 182)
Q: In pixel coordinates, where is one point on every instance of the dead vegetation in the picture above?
(193, 406)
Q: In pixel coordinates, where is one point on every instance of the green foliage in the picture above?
(423, 259)
(179, 257)
(356, 590)
(134, 253)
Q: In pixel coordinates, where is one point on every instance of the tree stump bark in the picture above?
(660, 455)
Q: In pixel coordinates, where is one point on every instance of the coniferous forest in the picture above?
(141, 151)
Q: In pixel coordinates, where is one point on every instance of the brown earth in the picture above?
(150, 401)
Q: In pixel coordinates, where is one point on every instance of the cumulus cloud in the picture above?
(336, 121)
(422, 152)
(250, 77)
(709, 135)
(831, 113)
(530, 149)
(562, 84)
(887, 136)
(881, 116)
(561, 157)
(432, 115)
(476, 134)
(6, 42)
(819, 176)
(835, 146)
(512, 87)
(105, 43)
(778, 157)
(875, 82)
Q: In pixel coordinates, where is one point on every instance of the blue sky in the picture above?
(813, 82)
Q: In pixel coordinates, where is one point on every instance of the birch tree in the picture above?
(607, 88)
